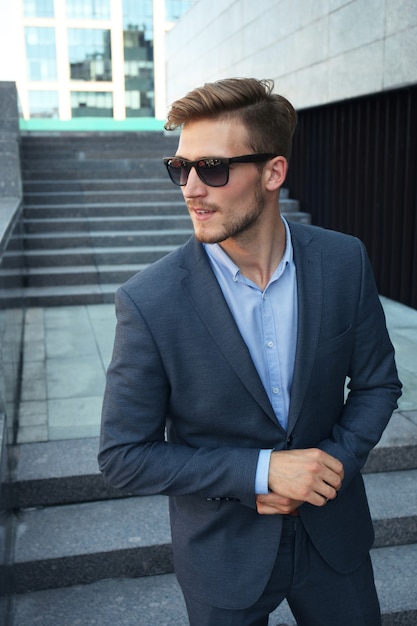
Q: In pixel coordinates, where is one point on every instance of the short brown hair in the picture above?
(270, 119)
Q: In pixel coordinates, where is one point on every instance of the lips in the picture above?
(201, 212)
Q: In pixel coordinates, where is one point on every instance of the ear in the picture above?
(275, 173)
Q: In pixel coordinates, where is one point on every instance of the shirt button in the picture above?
(275, 389)
(270, 344)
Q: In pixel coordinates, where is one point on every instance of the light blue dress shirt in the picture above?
(267, 321)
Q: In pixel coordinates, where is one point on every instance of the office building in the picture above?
(102, 60)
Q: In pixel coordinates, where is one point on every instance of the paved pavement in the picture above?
(67, 351)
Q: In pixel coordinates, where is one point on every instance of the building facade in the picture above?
(95, 59)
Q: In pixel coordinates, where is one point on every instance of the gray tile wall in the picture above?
(317, 52)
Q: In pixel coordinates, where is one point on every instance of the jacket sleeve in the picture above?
(134, 454)
(373, 384)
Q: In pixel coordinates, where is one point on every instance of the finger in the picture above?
(333, 464)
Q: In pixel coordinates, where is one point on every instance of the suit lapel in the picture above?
(206, 296)
(308, 262)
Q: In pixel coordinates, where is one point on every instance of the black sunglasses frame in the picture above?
(210, 164)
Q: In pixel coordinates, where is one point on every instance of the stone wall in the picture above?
(11, 317)
(317, 52)
(10, 176)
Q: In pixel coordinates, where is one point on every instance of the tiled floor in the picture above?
(67, 351)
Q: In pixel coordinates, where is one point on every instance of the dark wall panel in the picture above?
(354, 168)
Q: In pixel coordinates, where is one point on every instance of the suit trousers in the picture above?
(316, 593)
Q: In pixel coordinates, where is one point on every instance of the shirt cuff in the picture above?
(262, 472)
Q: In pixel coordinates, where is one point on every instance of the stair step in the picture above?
(38, 169)
(147, 601)
(103, 209)
(158, 599)
(92, 541)
(105, 239)
(397, 448)
(97, 196)
(58, 472)
(117, 255)
(393, 503)
(75, 275)
(116, 223)
(61, 296)
(81, 275)
(123, 184)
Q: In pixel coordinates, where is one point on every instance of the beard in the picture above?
(242, 227)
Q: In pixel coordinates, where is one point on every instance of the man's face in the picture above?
(232, 211)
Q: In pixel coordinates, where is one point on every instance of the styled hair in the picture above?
(270, 119)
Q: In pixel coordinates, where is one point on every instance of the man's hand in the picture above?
(271, 504)
(297, 476)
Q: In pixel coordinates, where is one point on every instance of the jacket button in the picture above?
(289, 441)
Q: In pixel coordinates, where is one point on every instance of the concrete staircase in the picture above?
(84, 554)
(97, 209)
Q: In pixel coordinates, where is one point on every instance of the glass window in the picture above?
(38, 8)
(175, 8)
(43, 104)
(40, 53)
(89, 52)
(88, 9)
(138, 15)
(140, 103)
(138, 58)
(92, 104)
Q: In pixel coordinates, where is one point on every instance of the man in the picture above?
(239, 345)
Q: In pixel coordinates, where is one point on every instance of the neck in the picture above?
(257, 259)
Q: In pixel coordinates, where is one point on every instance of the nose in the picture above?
(194, 186)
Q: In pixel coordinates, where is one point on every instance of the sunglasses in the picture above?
(213, 171)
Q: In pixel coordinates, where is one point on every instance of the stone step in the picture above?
(158, 599)
(73, 275)
(146, 601)
(58, 472)
(135, 184)
(97, 196)
(120, 170)
(130, 143)
(130, 536)
(68, 169)
(91, 541)
(104, 209)
(105, 239)
(116, 255)
(62, 295)
(116, 223)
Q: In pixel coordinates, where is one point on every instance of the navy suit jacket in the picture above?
(185, 413)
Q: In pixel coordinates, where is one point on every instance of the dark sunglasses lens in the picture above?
(178, 171)
(213, 172)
